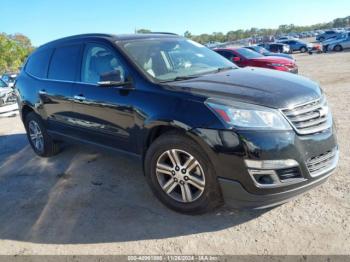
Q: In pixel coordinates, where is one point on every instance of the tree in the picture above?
(263, 32)
(187, 34)
(14, 49)
(143, 31)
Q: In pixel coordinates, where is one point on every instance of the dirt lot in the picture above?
(87, 202)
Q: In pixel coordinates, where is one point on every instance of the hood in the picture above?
(272, 59)
(266, 87)
(279, 55)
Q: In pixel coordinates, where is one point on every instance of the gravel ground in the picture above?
(84, 201)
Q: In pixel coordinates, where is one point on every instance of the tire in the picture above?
(35, 128)
(303, 49)
(338, 48)
(201, 201)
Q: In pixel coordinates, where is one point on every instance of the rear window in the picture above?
(38, 63)
(64, 63)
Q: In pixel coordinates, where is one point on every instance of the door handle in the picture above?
(42, 92)
(79, 98)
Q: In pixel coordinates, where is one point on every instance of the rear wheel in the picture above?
(39, 139)
(181, 176)
(338, 48)
(303, 49)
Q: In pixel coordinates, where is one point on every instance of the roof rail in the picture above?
(162, 33)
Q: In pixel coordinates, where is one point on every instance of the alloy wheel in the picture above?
(36, 136)
(180, 175)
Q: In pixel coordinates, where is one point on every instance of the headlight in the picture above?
(247, 116)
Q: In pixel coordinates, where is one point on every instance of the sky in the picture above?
(46, 20)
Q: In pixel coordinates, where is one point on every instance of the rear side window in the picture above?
(38, 63)
(64, 63)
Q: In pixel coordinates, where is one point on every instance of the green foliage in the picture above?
(143, 31)
(253, 32)
(14, 49)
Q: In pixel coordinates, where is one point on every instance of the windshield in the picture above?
(247, 53)
(2, 84)
(174, 58)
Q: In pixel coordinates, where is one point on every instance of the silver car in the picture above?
(340, 44)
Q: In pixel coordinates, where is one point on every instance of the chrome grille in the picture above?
(323, 163)
(309, 118)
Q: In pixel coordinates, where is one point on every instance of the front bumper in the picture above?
(293, 70)
(229, 150)
(237, 197)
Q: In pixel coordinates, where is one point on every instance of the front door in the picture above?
(105, 115)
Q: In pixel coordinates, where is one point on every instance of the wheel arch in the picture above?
(159, 128)
(25, 110)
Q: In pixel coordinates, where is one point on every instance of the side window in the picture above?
(99, 63)
(227, 55)
(64, 63)
(273, 48)
(38, 63)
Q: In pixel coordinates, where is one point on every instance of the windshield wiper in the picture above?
(220, 69)
(179, 78)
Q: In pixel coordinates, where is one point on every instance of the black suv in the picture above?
(205, 130)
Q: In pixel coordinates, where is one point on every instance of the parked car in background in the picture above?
(265, 52)
(282, 38)
(297, 45)
(7, 94)
(9, 78)
(329, 41)
(245, 57)
(204, 130)
(340, 44)
(327, 34)
(276, 47)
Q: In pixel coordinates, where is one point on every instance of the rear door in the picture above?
(56, 93)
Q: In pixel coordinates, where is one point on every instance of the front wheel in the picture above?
(39, 139)
(303, 49)
(181, 176)
(338, 48)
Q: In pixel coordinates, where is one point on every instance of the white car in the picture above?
(7, 95)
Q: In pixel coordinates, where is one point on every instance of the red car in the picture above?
(245, 57)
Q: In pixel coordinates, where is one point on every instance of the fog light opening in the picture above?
(265, 180)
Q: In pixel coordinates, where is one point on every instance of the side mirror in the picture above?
(113, 79)
(236, 59)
